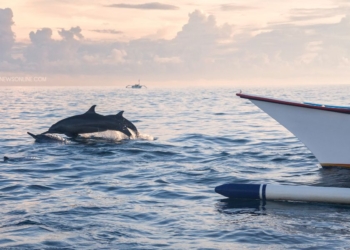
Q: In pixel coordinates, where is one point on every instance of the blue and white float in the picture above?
(284, 192)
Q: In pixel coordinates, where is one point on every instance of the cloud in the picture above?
(42, 36)
(118, 55)
(316, 13)
(47, 54)
(108, 31)
(200, 38)
(202, 30)
(295, 50)
(71, 34)
(202, 49)
(7, 36)
(201, 27)
(145, 6)
(174, 59)
(195, 47)
(235, 7)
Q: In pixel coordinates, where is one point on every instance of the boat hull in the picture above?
(324, 132)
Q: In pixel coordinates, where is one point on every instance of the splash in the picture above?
(111, 135)
(145, 137)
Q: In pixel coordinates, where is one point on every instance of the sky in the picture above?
(172, 43)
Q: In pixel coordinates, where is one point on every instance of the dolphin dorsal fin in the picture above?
(92, 109)
(120, 114)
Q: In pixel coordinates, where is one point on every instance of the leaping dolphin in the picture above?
(91, 122)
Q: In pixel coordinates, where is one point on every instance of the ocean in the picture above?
(157, 191)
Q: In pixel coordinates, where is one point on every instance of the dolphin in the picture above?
(124, 123)
(47, 138)
(90, 122)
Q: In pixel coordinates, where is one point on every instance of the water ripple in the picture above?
(156, 191)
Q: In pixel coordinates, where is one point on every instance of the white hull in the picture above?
(325, 133)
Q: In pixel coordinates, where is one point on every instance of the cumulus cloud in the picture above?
(198, 44)
(145, 6)
(71, 34)
(202, 28)
(201, 49)
(47, 54)
(7, 37)
(42, 36)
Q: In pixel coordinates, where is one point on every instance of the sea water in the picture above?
(157, 191)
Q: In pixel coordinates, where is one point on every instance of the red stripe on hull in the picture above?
(264, 99)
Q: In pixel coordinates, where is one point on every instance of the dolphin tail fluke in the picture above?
(32, 135)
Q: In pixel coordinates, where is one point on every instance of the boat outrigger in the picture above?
(324, 129)
(136, 86)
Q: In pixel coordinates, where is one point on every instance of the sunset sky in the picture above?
(175, 42)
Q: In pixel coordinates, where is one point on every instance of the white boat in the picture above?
(324, 129)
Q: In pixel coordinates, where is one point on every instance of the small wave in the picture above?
(39, 187)
(161, 181)
(21, 223)
(279, 159)
(11, 188)
(224, 140)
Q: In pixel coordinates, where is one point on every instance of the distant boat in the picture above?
(136, 86)
(324, 129)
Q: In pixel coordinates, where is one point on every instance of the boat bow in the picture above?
(324, 129)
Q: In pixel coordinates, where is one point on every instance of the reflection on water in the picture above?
(334, 177)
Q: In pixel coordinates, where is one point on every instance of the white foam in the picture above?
(112, 135)
(145, 137)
